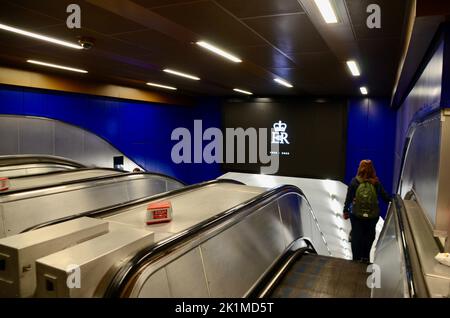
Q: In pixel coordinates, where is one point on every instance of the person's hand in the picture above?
(346, 215)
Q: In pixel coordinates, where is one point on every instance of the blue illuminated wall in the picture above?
(371, 135)
(139, 130)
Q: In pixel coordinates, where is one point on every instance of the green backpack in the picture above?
(365, 204)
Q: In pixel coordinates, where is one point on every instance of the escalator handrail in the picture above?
(16, 160)
(90, 179)
(153, 252)
(276, 272)
(399, 209)
(129, 204)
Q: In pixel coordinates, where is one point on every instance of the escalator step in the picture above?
(320, 276)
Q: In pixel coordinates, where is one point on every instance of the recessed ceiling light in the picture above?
(283, 82)
(40, 37)
(192, 77)
(57, 66)
(242, 91)
(162, 86)
(353, 67)
(327, 11)
(363, 90)
(218, 51)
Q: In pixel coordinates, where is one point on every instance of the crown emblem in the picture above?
(280, 126)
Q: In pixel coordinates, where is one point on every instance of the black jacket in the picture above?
(351, 192)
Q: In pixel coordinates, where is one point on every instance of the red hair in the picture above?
(366, 172)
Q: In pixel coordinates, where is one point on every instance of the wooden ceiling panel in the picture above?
(254, 8)
(162, 3)
(92, 17)
(211, 23)
(290, 33)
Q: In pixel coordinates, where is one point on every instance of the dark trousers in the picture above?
(363, 235)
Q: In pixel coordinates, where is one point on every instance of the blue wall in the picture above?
(371, 135)
(139, 130)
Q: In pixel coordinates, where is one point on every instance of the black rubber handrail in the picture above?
(17, 160)
(400, 210)
(129, 204)
(266, 284)
(153, 252)
(91, 179)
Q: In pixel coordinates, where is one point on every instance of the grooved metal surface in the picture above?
(316, 276)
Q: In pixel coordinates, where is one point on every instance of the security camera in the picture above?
(86, 43)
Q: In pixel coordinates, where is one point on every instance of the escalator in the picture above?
(315, 276)
(23, 165)
(301, 273)
(225, 240)
(33, 200)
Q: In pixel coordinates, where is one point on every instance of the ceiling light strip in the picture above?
(353, 67)
(192, 77)
(57, 66)
(363, 90)
(242, 91)
(218, 51)
(39, 37)
(162, 86)
(283, 82)
(327, 11)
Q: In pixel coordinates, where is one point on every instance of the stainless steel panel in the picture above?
(421, 167)
(23, 210)
(437, 276)
(21, 251)
(36, 137)
(69, 142)
(31, 169)
(22, 214)
(390, 259)
(141, 187)
(237, 257)
(93, 257)
(442, 223)
(186, 276)
(190, 208)
(233, 256)
(289, 209)
(156, 286)
(49, 180)
(327, 201)
(45, 136)
(9, 130)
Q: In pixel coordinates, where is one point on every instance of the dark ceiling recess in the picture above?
(135, 40)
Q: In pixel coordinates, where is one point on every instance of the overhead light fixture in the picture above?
(242, 91)
(327, 11)
(57, 66)
(162, 86)
(353, 67)
(283, 82)
(363, 90)
(192, 77)
(40, 37)
(218, 51)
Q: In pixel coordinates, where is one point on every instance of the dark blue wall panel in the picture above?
(140, 130)
(371, 135)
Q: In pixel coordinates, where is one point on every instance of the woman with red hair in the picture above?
(361, 206)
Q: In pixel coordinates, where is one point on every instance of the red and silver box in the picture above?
(4, 184)
(159, 212)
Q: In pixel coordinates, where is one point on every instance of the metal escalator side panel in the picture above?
(251, 235)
